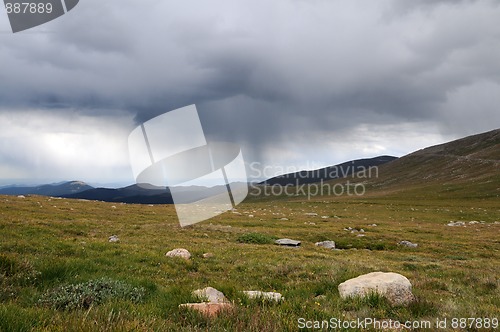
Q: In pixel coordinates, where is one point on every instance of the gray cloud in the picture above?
(265, 73)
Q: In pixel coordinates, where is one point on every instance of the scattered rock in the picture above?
(21, 196)
(217, 302)
(113, 207)
(311, 214)
(208, 309)
(457, 223)
(325, 217)
(208, 255)
(284, 219)
(373, 225)
(179, 252)
(250, 216)
(360, 235)
(113, 239)
(407, 244)
(211, 294)
(395, 287)
(326, 244)
(271, 296)
(287, 242)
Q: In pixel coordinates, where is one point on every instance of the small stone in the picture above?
(457, 223)
(326, 244)
(311, 214)
(325, 217)
(284, 219)
(250, 216)
(271, 296)
(287, 242)
(113, 207)
(113, 239)
(21, 196)
(208, 255)
(407, 244)
(179, 252)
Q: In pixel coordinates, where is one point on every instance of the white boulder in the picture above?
(393, 286)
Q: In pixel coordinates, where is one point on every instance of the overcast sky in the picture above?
(296, 83)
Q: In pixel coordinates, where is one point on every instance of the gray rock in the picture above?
(395, 287)
(287, 242)
(311, 214)
(113, 239)
(211, 294)
(271, 296)
(179, 252)
(326, 244)
(457, 223)
(408, 244)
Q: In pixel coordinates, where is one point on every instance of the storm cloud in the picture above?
(289, 80)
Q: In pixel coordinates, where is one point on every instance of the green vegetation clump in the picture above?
(90, 293)
(256, 238)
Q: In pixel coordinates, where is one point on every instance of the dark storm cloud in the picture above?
(263, 71)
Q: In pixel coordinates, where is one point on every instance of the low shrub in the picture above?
(256, 238)
(92, 292)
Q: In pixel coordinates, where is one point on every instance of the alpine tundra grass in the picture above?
(54, 250)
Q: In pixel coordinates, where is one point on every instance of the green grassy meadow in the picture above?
(47, 243)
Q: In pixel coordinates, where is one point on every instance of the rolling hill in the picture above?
(468, 166)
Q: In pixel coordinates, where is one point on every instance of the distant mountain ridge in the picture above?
(140, 194)
(58, 189)
(342, 170)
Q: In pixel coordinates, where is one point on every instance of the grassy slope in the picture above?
(467, 167)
